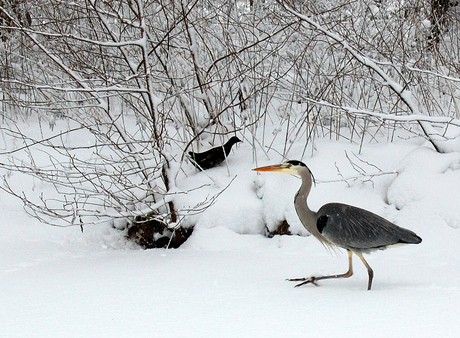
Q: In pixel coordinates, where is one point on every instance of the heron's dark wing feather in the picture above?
(360, 230)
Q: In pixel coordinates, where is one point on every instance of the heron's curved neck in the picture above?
(307, 217)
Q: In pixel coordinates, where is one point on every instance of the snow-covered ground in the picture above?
(228, 280)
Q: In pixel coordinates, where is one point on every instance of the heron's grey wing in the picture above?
(360, 230)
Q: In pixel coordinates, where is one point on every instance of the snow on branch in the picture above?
(90, 90)
(110, 44)
(429, 72)
(389, 117)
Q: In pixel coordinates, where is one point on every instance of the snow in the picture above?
(428, 182)
(228, 280)
(426, 23)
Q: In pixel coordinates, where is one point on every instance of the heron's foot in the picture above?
(311, 280)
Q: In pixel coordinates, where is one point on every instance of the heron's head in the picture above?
(292, 167)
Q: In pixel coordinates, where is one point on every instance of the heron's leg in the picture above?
(369, 269)
(314, 279)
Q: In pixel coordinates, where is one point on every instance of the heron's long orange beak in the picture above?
(274, 167)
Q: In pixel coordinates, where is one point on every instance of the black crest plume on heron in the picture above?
(335, 224)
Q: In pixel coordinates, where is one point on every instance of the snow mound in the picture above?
(277, 195)
(428, 182)
(237, 208)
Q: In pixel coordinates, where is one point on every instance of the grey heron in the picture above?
(357, 230)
